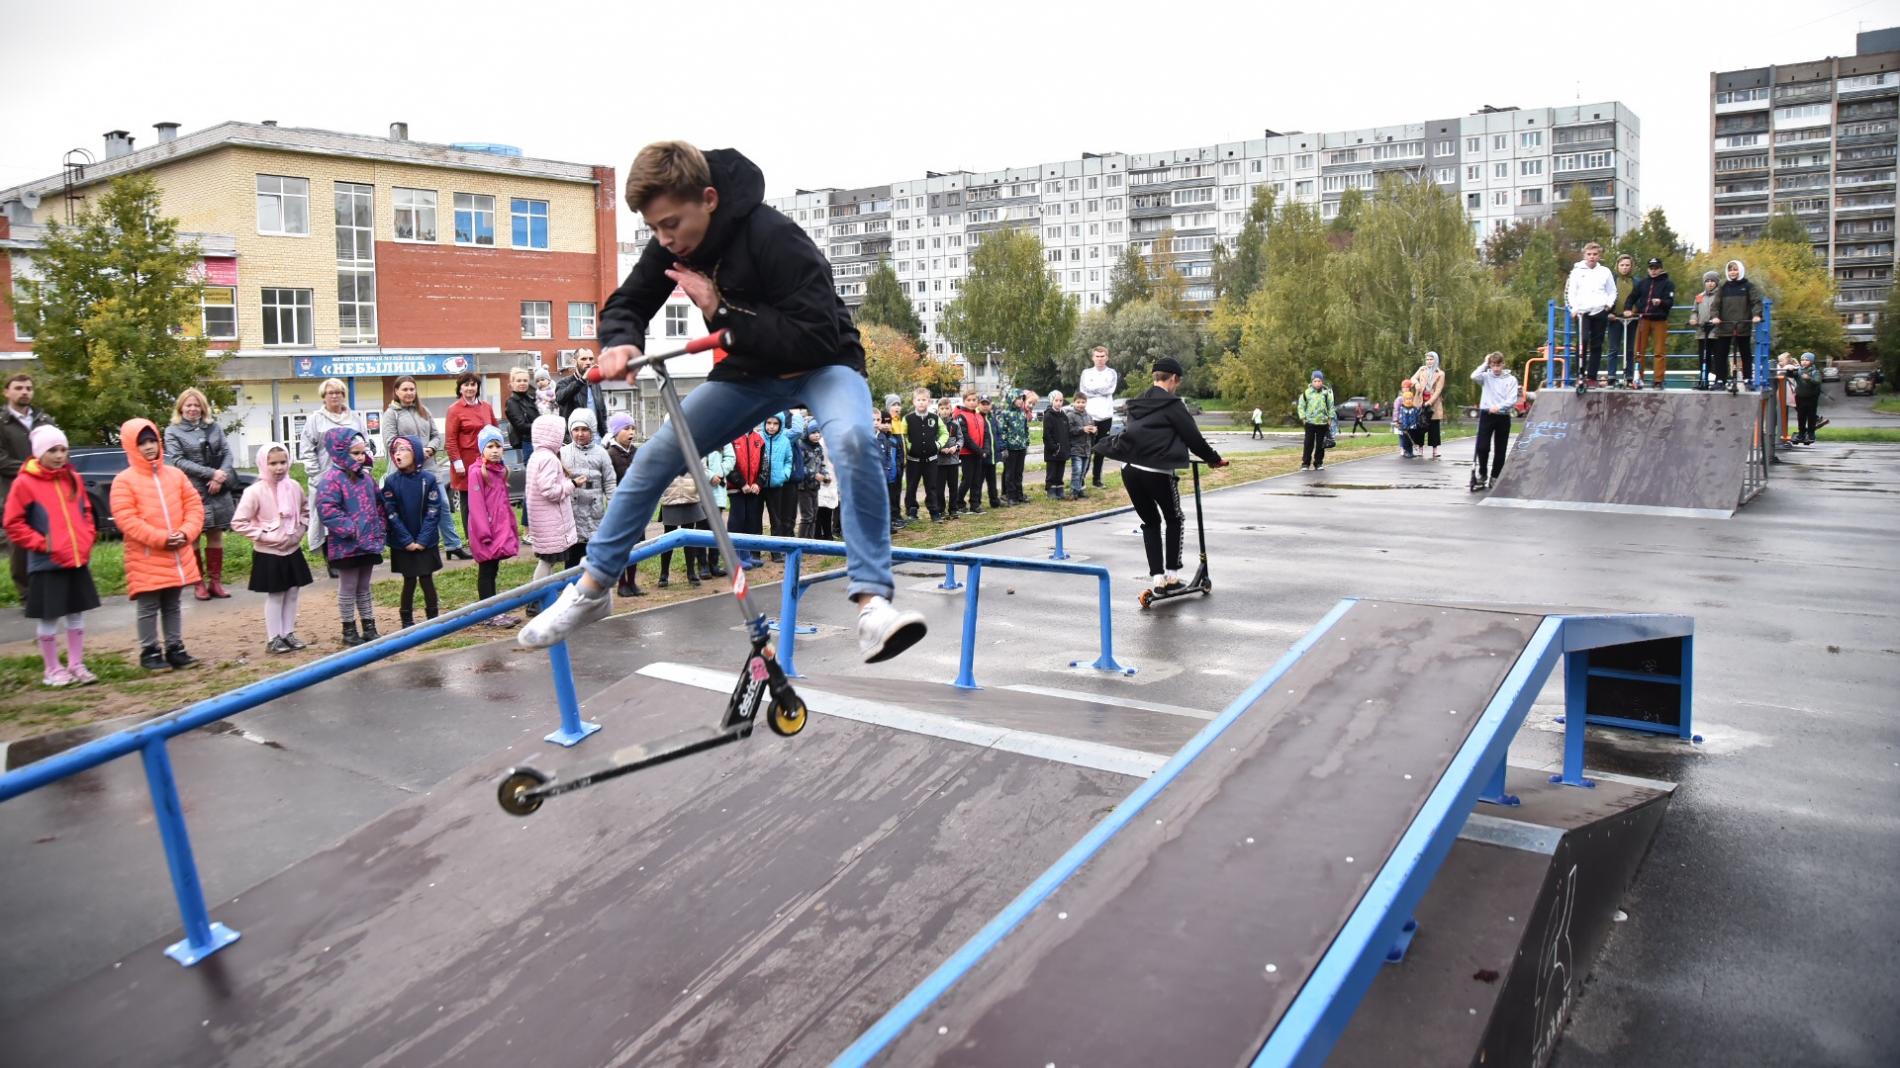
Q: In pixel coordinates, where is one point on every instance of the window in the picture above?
(1055, 255)
(355, 263)
(1500, 170)
(1530, 168)
(217, 314)
(1500, 142)
(1474, 201)
(474, 219)
(537, 319)
(1802, 114)
(1474, 145)
(1114, 203)
(1444, 148)
(1232, 193)
(1075, 185)
(1474, 172)
(415, 214)
(1445, 175)
(529, 222)
(287, 317)
(580, 318)
(1530, 197)
(1531, 139)
(1230, 169)
(676, 320)
(1093, 182)
(1303, 190)
(283, 205)
(1501, 198)
(1114, 181)
(1303, 162)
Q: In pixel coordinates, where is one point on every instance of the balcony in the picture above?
(1864, 204)
(1862, 254)
(1870, 85)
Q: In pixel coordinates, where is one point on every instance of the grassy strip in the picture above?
(1890, 404)
(1864, 435)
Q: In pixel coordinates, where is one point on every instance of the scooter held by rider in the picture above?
(761, 681)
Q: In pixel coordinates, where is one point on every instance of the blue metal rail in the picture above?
(204, 936)
(1554, 322)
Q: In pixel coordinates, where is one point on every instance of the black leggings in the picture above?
(1157, 499)
(1493, 427)
(1102, 427)
(429, 603)
(485, 572)
(695, 558)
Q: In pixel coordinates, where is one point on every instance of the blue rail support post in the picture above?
(788, 611)
(1105, 662)
(1576, 700)
(966, 663)
(1550, 343)
(949, 577)
(573, 728)
(1493, 791)
(1058, 554)
(202, 936)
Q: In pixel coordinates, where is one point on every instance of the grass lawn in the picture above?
(1889, 404)
(1863, 435)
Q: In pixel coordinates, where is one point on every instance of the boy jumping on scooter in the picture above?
(754, 272)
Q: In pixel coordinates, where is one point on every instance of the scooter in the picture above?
(761, 680)
(1201, 583)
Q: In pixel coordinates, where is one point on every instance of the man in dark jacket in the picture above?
(575, 391)
(1157, 437)
(922, 431)
(17, 421)
(752, 271)
(1651, 298)
(1807, 400)
(1055, 444)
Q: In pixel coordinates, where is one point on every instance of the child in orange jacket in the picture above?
(49, 515)
(160, 515)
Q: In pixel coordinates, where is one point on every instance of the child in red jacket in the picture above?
(49, 515)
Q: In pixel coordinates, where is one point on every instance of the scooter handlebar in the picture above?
(715, 340)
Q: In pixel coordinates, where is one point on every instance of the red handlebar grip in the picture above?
(715, 340)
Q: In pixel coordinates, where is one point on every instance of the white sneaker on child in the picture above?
(884, 632)
(574, 609)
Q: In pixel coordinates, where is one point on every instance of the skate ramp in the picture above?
(1677, 453)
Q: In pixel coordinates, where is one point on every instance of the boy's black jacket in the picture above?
(775, 286)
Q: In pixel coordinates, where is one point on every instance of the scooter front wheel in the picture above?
(1147, 597)
(787, 719)
(515, 792)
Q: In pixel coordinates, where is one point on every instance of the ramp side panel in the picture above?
(1157, 951)
(1648, 450)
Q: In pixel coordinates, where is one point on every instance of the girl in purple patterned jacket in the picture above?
(351, 511)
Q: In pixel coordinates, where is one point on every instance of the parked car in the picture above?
(1861, 385)
(97, 464)
(1372, 410)
(1830, 373)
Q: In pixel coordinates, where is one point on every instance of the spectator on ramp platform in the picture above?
(1650, 299)
(1699, 315)
(1591, 293)
(1738, 307)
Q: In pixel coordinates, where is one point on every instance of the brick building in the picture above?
(359, 257)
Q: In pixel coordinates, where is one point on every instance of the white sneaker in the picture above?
(884, 632)
(570, 612)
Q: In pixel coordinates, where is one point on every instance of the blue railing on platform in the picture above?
(203, 936)
(1560, 340)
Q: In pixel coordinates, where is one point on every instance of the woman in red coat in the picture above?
(462, 432)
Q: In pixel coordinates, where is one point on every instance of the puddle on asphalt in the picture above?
(1375, 485)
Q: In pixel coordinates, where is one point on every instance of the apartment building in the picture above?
(1504, 164)
(359, 257)
(1817, 138)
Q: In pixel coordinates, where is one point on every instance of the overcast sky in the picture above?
(824, 94)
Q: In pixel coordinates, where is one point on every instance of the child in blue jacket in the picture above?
(410, 512)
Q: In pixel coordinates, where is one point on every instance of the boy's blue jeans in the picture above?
(718, 412)
(1078, 472)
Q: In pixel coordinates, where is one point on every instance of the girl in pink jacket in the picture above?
(492, 534)
(550, 492)
(271, 514)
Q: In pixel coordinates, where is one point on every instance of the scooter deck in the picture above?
(632, 758)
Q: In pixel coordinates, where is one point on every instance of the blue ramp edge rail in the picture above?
(1321, 1010)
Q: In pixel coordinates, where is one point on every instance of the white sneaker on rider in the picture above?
(574, 609)
(884, 632)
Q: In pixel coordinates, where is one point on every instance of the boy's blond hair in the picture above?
(667, 167)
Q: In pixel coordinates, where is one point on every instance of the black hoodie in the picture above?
(1660, 288)
(775, 286)
(1159, 432)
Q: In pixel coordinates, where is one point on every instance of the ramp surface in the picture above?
(759, 904)
(1185, 938)
(1675, 452)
